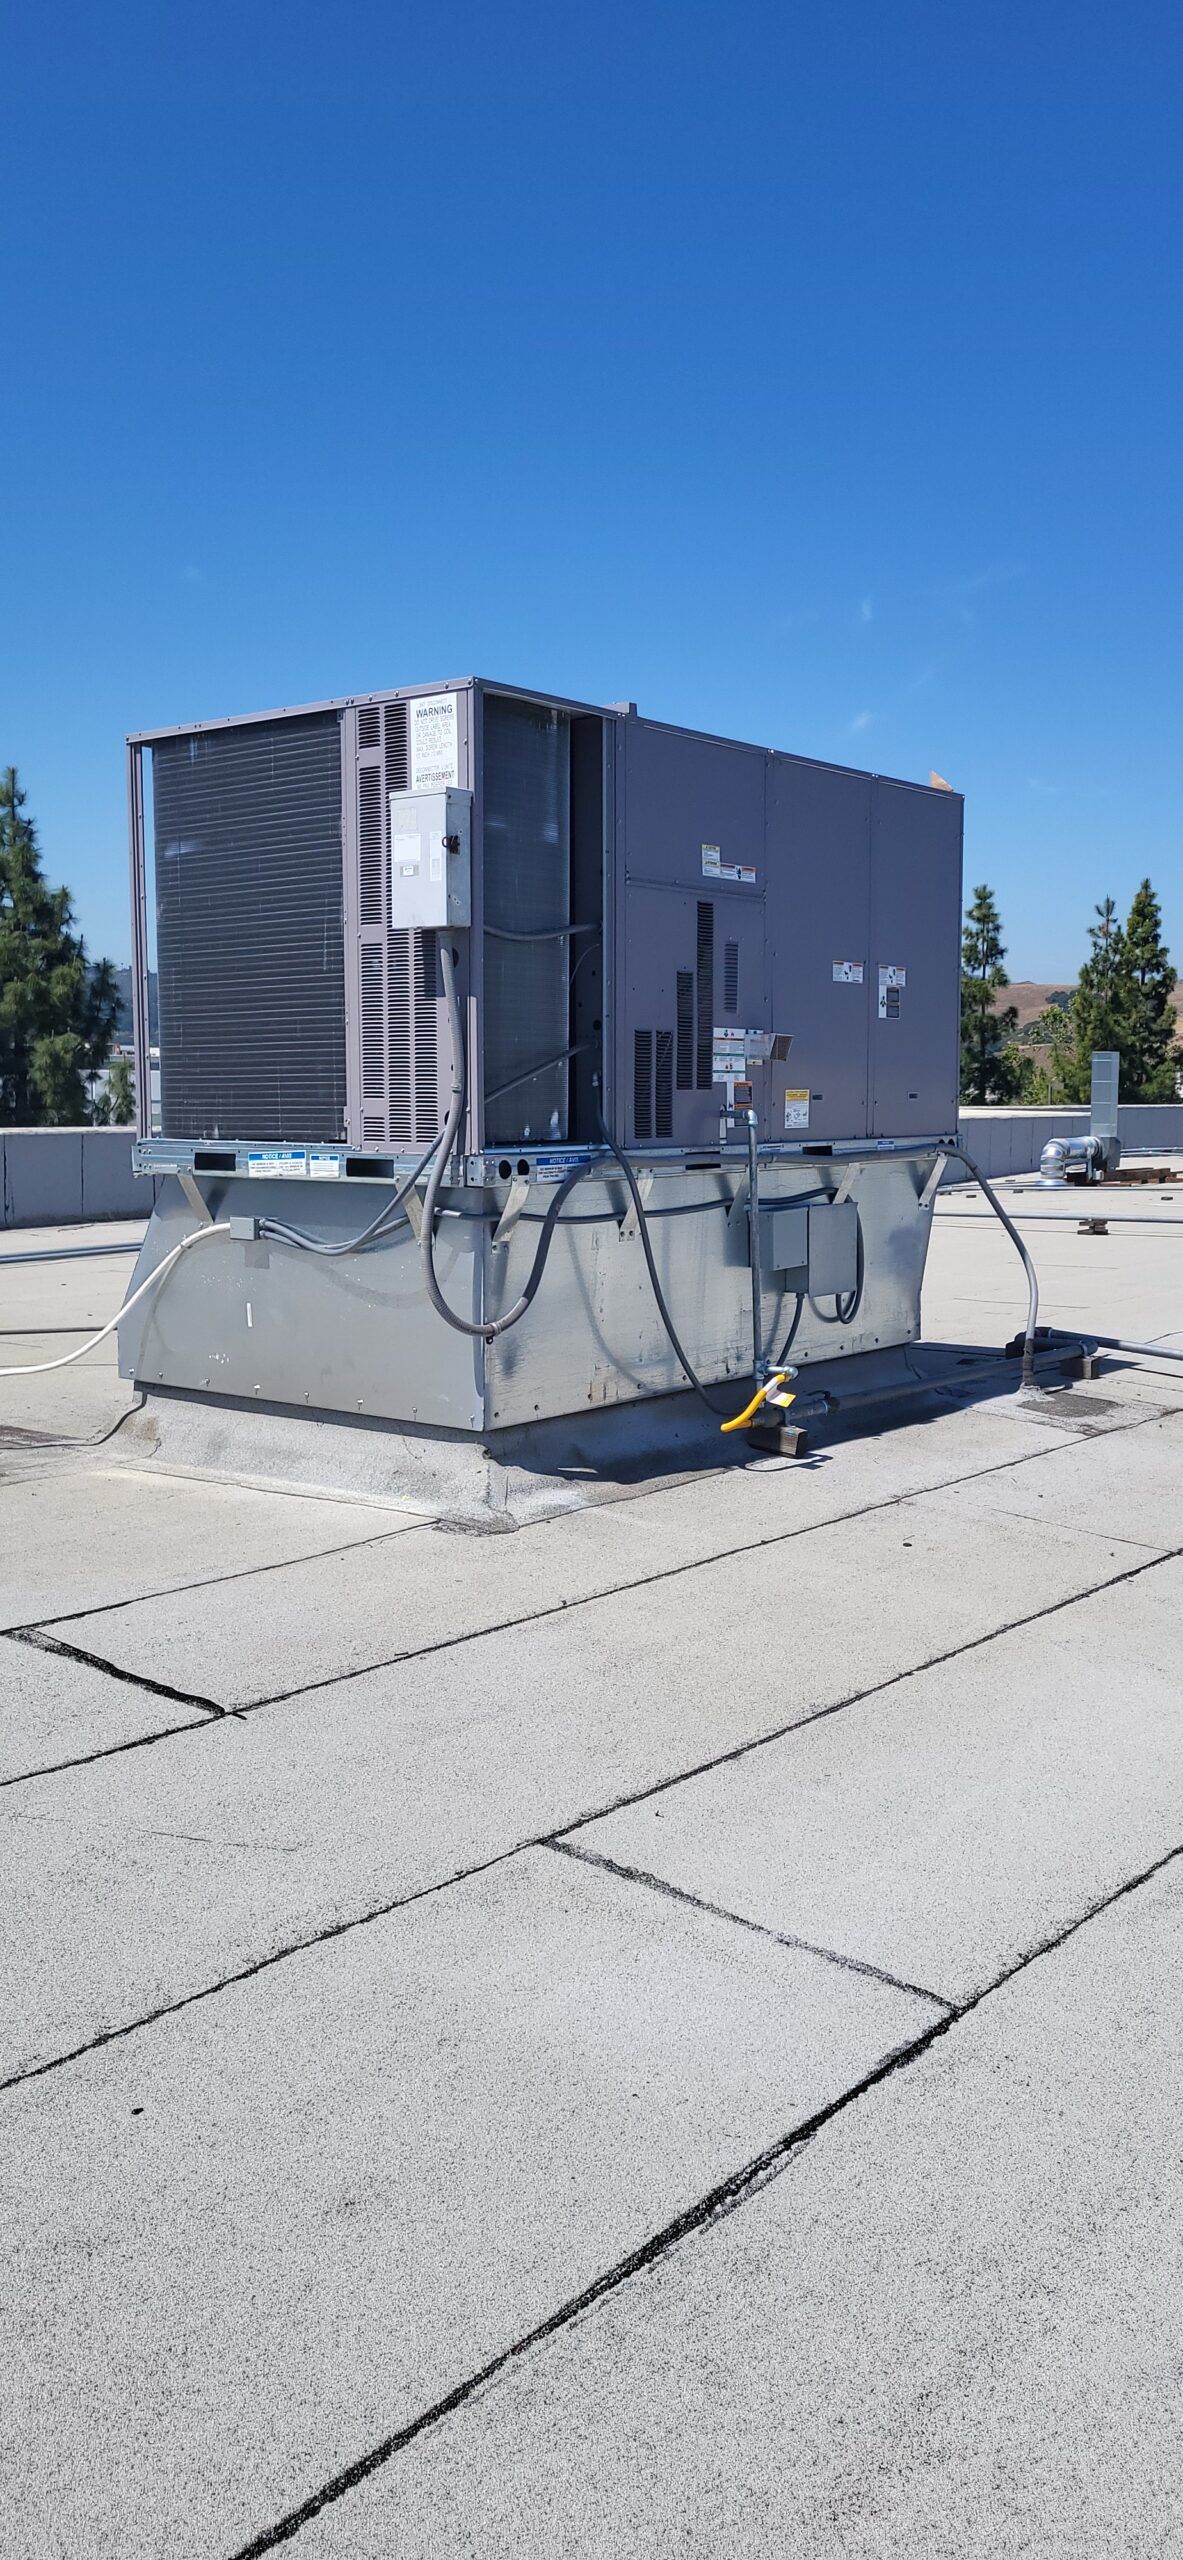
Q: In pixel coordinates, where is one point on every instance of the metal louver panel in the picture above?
(399, 972)
(371, 838)
(730, 981)
(397, 750)
(250, 943)
(373, 1024)
(663, 1117)
(643, 1083)
(527, 889)
(685, 1014)
(705, 993)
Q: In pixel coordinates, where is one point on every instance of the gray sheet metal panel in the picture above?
(526, 862)
(677, 793)
(399, 1075)
(356, 1336)
(265, 1322)
(819, 915)
(916, 925)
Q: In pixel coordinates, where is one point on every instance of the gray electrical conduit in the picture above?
(378, 1227)
(1020, 1248)
(488, 1331)
(654, 1282)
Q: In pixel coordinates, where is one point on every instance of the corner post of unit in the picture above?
(141, 1045)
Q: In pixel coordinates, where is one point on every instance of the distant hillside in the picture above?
(1029, 999)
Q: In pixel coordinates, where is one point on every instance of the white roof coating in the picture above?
(655, 2032)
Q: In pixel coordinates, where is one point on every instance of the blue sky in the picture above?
(807, 373)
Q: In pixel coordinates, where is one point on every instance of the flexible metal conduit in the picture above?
(488, 1331)
(1024, 1256)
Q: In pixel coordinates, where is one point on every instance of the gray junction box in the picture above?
(643, 918)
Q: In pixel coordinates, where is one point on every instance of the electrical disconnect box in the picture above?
(648, 921)
(430, 860)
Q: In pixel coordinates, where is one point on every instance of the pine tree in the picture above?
(1152, 1061)
(57, 1014)
(989, 1071)
(1101, 1005)
(121, 1093)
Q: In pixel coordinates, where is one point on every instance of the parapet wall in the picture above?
(64, 1177)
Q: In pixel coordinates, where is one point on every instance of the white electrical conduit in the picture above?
(37, 1368)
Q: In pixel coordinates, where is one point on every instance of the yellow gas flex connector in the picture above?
(773, 1391)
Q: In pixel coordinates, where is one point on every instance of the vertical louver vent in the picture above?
(663, 1122)
(643, 1083)
(730, 981)
(371, 843)
(705, 990)
(247, 834)
(401, 1094)
(373, 1024)
(400, 983)
(398, 771)
(426, 1046)
(685, 1015)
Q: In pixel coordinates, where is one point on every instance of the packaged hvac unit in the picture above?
(644, 918)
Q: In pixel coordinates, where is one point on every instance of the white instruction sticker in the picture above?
(322, 1166)
(848, 973)
(797, 1107)
(406, 855)
(890, 982)
(279, 1164)
(729, 1056)
(714, 867)
(435, 741)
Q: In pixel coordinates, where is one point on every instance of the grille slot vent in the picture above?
(705, 990)
(371, 865)
(730, 981)
(369, 725)
(685, 1015)
(373, 1024)
(643, 1083)
(663, 1120)
(401, 1088)
(426, 1098)
(398, 769)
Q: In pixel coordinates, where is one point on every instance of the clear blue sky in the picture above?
(811, 373)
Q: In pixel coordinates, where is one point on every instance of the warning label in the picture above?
(714, 867)
(797, 1107)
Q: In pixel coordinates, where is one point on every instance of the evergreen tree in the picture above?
(1048, 1042)
(1101, 1006)
(121, 1093)
(57, 1014)
(989, 1069)
(1152, 1060)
